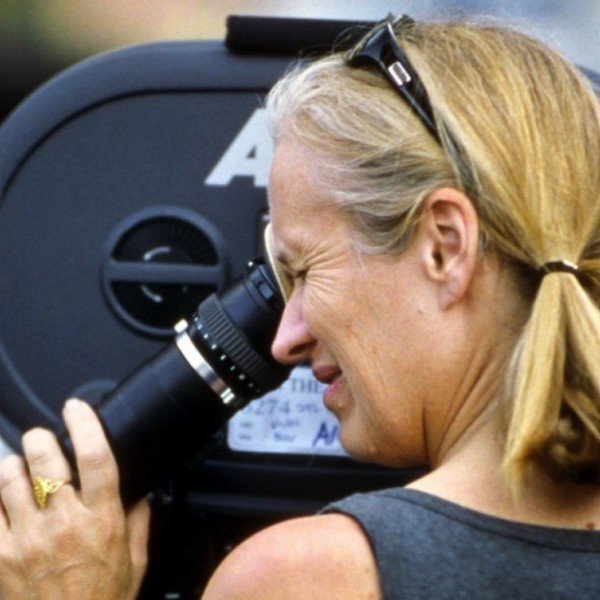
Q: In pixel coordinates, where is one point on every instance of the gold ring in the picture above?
(42, 488)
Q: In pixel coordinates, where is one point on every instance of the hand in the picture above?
(82, 544)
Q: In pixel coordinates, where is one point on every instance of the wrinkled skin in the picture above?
(82, 544)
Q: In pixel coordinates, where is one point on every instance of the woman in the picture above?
(435, 201)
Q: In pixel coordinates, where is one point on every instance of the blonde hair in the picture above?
(527, 129)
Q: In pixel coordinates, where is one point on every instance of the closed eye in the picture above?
(300, 274)
(296, 278)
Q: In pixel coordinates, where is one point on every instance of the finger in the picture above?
(138, 525)
(4, 525)
(98, 473)
(3, 521)
(16, 492)
(46, 460)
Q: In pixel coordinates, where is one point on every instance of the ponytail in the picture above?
(554, 421)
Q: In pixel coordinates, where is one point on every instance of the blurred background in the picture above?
(196, 521)
(41, 37)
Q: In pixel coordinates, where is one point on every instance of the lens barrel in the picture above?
(167, 411)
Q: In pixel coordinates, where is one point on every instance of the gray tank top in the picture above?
(426, 547)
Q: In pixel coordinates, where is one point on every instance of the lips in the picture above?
(332, 376)
(326, 373)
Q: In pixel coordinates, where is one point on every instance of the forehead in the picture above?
(295, 185)
(291, 178)
(308, 228)
(307, 224)
(293, 198)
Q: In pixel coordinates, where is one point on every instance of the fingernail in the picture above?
(73, 405)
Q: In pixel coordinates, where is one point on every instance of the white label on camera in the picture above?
(289, 420)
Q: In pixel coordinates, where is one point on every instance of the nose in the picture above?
(293, 342)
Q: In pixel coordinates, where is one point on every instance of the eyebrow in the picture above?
(287, 264)
(284, 264)
(284, 256)
(281, 257)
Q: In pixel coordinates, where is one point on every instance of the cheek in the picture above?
(388, 389)
(328, 311)
(380, 425)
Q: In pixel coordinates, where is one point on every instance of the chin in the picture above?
(360, 448)
(365, 450)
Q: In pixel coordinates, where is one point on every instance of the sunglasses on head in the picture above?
(380, 47)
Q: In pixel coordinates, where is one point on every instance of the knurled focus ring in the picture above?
(233, 343)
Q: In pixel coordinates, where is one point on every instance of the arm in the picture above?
(82, 544)
(326, 556)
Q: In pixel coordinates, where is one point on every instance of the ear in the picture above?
(449, 232)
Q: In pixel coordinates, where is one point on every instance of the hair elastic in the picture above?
(558, 266)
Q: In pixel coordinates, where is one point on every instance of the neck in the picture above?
(475, 403)
(471, 475)
(488, 331)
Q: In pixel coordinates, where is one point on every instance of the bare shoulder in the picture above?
(326, 556)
